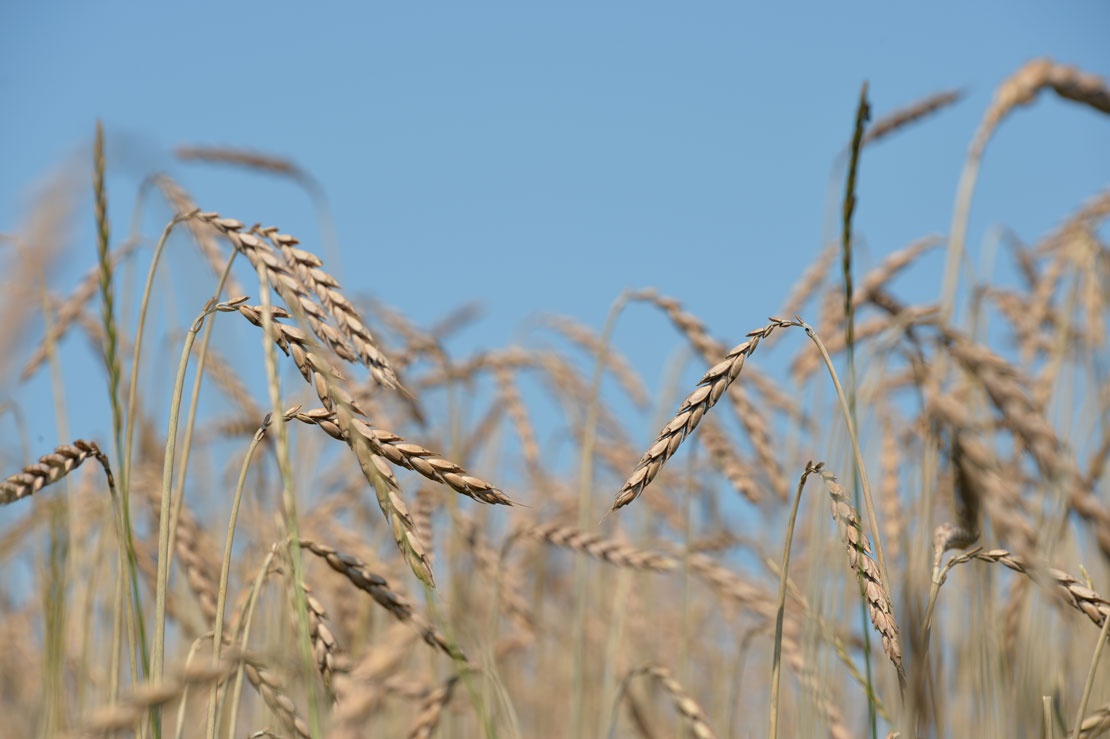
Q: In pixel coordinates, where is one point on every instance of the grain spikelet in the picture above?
(50, 468)
(686, 706)
(879, 603)
(710, 389)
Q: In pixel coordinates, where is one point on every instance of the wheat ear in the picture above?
(710, 389)
(51, 468)
(880, 606)
(377, 587)
(613, 551)
(687, 707)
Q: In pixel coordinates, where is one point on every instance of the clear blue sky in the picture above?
(544, 159)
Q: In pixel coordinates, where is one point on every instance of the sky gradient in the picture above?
(544, 159)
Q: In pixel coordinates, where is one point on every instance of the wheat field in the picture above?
(301, 515)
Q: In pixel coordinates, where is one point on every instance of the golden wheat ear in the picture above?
(51, 468)
(710, 389)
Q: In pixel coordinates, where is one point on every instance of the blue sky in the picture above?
(543, 159)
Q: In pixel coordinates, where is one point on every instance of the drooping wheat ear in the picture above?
(613, 551)
(880, 606)
(377, 587)
(749, 414)
(325, 380)
(296, 294)
(203, 233)
(52, 467)
(687, 707)
(130, 710)
(1071, 591)
(964, 531)
(1006, 388)
(710, 389)
(1021, 88)
(310, 271)
(410, 456)
(912, 113)
(431, 709)
(983, 475)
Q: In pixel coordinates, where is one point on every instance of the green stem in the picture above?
(288, 498)
(863, 114)
(780, 613)
(1090, 677)
(162, 582)
(225, 570)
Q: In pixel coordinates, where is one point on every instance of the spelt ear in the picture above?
(51, 468)
(710, 389)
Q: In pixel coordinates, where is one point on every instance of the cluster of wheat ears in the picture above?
(221, 571)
